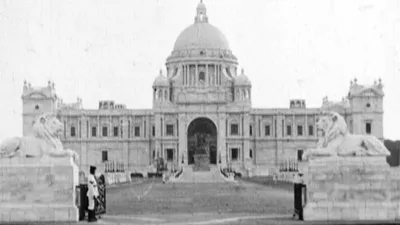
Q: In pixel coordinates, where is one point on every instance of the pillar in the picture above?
(182, 137)
(215, 75)
(196, 75)
(294, 131)
(222, 140)
(306, 126)
(98, 128)
(207, 78)
(246, 146)
(110, 132)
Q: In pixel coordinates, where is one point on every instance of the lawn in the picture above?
(153, 197)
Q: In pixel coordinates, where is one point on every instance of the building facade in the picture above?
(202, 94)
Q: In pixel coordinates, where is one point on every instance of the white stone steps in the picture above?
(190, 176)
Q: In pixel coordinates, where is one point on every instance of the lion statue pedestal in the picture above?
(356, 188)
(348, 177)
(38, 177)
(38, 191)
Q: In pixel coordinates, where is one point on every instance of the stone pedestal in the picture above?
(201, 163)
(38, 190)
(352, 188)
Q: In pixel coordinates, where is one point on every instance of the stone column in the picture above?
(218, 74)
(306, 126)
(222, 140)
(207, 78)
(157, 124)
(110, 132)
(83, 128)
(196, 75)
(246, 144)
(185, 72)
(98, 128)
(215, 75)
(182, 138)
(294, 130)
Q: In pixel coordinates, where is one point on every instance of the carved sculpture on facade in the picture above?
(44, 142)
(335, 140)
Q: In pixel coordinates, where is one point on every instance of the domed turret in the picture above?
(242, 80)
(161, 81)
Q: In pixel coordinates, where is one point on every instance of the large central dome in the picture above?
(201, 34)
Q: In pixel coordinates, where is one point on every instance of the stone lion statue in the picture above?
(43, 142)
(335, 140)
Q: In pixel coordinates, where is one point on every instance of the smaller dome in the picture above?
(161, 80)
(242, 80)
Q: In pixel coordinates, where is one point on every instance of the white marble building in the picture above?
(202, 92)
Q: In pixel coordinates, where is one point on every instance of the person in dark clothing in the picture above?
(298, 185)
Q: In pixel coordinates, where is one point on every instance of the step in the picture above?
(190, 176)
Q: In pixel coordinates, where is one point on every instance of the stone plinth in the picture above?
(352, 188)
(38, 190)
(201, 163)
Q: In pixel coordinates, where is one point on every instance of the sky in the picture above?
(113, 50)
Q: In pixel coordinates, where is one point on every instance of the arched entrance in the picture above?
(202, 140)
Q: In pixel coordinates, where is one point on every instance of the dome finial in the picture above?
(201, 16)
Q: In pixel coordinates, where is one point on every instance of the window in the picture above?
(104, 156)
(202, 76)
(299, 130)
(310, 130)
(251, 153)
(154, 154)
(137, 131)
(251, 130)
(300, 154)
(115, 132)
(234, 154)
(368, 128)
(104, 131)
(267, 130)
(73, 133)
(170, 154)
(170, 130)
(289, 130)
(37, 107)
(153, 131)
(234, 129)
(94, 131)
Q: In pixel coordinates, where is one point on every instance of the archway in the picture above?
(202, 140)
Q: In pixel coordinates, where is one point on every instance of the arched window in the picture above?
(160, 94)
(246, 94)
(165, 95)
(251, 153)
(202, 76)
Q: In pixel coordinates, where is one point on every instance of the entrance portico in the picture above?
(202, 142)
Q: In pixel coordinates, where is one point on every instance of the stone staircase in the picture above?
(212, 176)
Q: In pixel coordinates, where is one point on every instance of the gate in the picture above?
(100, 206)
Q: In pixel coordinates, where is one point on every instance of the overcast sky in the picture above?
(113, 50)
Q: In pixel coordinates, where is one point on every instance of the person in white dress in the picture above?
(92, 194)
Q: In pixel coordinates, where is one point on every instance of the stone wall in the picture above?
(359, 188)
(38, 191)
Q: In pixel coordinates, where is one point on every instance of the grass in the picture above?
(151, 196)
